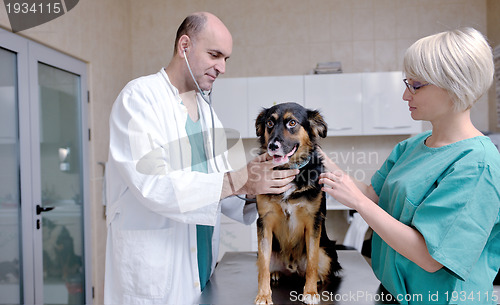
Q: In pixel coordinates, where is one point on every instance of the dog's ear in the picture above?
(318, 124)
(260, 123)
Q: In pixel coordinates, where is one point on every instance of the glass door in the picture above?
(60, 180)
(61, 205)
(44, 184)
(10, 188)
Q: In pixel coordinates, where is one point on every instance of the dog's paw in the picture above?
(263, 299)
(311, 298)
(275, 276)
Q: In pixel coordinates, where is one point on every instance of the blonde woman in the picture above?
(434, 205)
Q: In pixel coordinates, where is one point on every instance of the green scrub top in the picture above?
(203, 233)
(451, 195)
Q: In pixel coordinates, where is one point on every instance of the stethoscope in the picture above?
(209, 102)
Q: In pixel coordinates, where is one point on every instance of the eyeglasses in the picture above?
(413, 88)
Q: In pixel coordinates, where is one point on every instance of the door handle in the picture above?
(40, 210)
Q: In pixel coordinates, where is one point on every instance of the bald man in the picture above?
(165, 190)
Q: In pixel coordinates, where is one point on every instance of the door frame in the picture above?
(29, 54)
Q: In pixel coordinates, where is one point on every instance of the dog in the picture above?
(291, 226)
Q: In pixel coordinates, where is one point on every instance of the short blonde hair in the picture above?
(459, 61)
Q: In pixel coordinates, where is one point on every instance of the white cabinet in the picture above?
(361, 103)
(339, 99)
(351, 103)
(264, 92)
(384, 111)
(230, 100)
(238, 101)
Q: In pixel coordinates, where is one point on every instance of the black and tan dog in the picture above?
(291, 230)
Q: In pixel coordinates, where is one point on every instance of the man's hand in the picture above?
(258, 177)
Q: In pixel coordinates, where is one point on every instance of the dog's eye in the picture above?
(292, 123)
(270, 124)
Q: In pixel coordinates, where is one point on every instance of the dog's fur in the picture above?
(291, 227)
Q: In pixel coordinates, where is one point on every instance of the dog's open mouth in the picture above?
(282, 159)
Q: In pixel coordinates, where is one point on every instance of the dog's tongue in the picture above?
(278, 160)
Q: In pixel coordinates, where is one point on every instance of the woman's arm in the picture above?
(402, 238)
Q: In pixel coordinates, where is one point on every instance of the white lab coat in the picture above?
(155, 201)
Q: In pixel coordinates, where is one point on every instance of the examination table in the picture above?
(235, 282)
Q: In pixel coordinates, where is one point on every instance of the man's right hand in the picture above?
(258, 177)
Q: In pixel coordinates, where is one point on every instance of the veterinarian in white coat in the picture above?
(155, 200)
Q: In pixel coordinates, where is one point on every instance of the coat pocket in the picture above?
(146, 262)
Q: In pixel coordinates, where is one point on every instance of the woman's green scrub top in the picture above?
(451, 195)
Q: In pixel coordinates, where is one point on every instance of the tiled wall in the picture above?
(283, 37)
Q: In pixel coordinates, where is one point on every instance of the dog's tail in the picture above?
(334, 278)
(330, 247)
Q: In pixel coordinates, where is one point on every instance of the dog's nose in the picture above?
(274, 146)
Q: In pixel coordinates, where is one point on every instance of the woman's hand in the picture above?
(329, 165)
(361, 197)
(341, 187)
(350, 190)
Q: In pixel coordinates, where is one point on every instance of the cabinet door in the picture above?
(384, 111)
(338, 97)
(230, 99)
(264, 92)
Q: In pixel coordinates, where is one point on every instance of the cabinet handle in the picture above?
(339, 129)
(391, 127)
